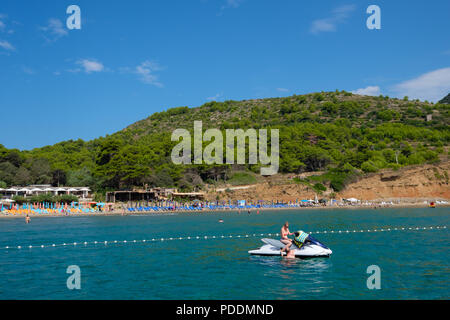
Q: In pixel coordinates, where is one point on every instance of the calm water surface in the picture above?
(414, 264)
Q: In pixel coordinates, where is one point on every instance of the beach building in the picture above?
(35, 190)
(131, 195)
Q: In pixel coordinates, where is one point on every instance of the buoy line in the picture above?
(162, 239)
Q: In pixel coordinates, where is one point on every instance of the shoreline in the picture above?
(115, 213)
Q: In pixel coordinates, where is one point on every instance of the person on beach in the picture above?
(284, 237)
(27, 219)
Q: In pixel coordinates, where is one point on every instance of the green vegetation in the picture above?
(242, 178)
(446, 99)
(342, 134)
(66, 198)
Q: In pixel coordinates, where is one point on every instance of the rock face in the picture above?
(267, 191)
(428, 181)
(408, 184)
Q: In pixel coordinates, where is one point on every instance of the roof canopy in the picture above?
(7, 200)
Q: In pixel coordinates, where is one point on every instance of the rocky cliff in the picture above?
(410, 184)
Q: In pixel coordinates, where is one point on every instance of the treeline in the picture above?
(25, 168)
(337, 132)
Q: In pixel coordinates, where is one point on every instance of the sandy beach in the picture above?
(121, 212)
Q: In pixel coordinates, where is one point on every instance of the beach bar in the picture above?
(130, 195)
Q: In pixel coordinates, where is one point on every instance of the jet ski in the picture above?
(312, 248)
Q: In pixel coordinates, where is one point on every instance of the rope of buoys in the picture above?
(113, 242)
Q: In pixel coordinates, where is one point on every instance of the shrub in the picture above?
(369, 166)
(241, 178)
(19, 200)
(66, 198)
(42, 198)
(319, 187)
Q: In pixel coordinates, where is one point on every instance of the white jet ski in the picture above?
(310, 249)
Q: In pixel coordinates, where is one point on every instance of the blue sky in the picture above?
(133, 58)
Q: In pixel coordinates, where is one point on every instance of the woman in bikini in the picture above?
(284, 237)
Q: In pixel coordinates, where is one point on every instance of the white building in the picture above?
(34, 190)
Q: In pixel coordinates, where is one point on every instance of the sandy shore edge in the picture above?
(243, 211)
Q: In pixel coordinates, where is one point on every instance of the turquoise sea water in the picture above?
(414, 264)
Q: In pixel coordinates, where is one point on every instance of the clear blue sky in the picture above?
(134, 58)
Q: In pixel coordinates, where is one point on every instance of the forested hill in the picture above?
(337, 132)
(326, 107)
(446, 99)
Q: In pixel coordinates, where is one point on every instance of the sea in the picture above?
(142, 257)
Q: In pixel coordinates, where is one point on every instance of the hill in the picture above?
(446, 99)
(342, 134)
(409, 184)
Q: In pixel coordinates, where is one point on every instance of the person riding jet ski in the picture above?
(302, 246)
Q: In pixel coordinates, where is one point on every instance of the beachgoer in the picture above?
(248, 211)
(284, 237)
(27, 219)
